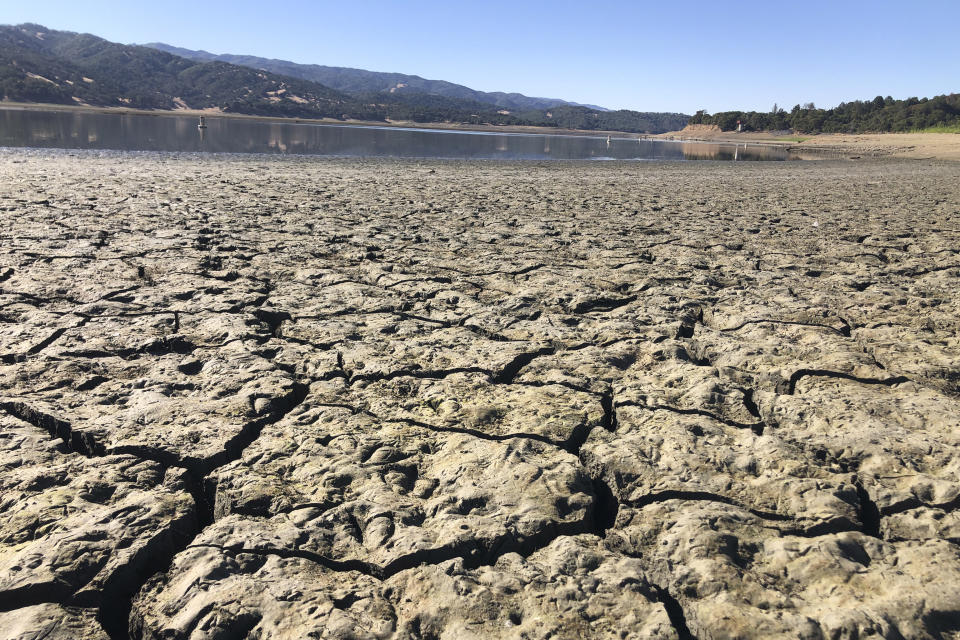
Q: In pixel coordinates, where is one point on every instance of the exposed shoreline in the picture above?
(940, 146)
(269, 395)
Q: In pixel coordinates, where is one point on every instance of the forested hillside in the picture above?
(877, 115)
(42, 65)
(361, 81)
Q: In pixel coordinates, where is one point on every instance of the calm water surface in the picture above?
(138, 132)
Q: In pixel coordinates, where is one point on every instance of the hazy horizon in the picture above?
(616, 55)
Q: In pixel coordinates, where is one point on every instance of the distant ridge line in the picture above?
(41, 65)
(360, 81)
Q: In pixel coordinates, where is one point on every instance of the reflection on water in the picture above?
(712, 151)
(139, 132)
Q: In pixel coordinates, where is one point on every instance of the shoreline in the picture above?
(399, 124)
(917, 146)
(938, 146)
(929, 146)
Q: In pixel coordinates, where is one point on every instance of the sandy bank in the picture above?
(943, 146)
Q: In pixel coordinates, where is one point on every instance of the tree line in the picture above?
(882, 114)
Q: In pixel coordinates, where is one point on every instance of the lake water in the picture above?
(141, 132)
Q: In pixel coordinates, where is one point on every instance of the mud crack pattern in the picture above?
(286, 398)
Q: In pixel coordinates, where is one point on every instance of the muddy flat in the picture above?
(278, 397)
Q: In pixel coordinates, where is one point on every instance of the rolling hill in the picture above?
(43, 65)
(361, 81)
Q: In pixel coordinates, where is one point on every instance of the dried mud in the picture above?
(287, 398)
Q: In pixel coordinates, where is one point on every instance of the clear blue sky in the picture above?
(649, 56)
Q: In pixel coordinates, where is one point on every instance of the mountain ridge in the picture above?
(38, 64)
(362, 81)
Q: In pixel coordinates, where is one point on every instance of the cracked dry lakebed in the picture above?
(268, 397)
